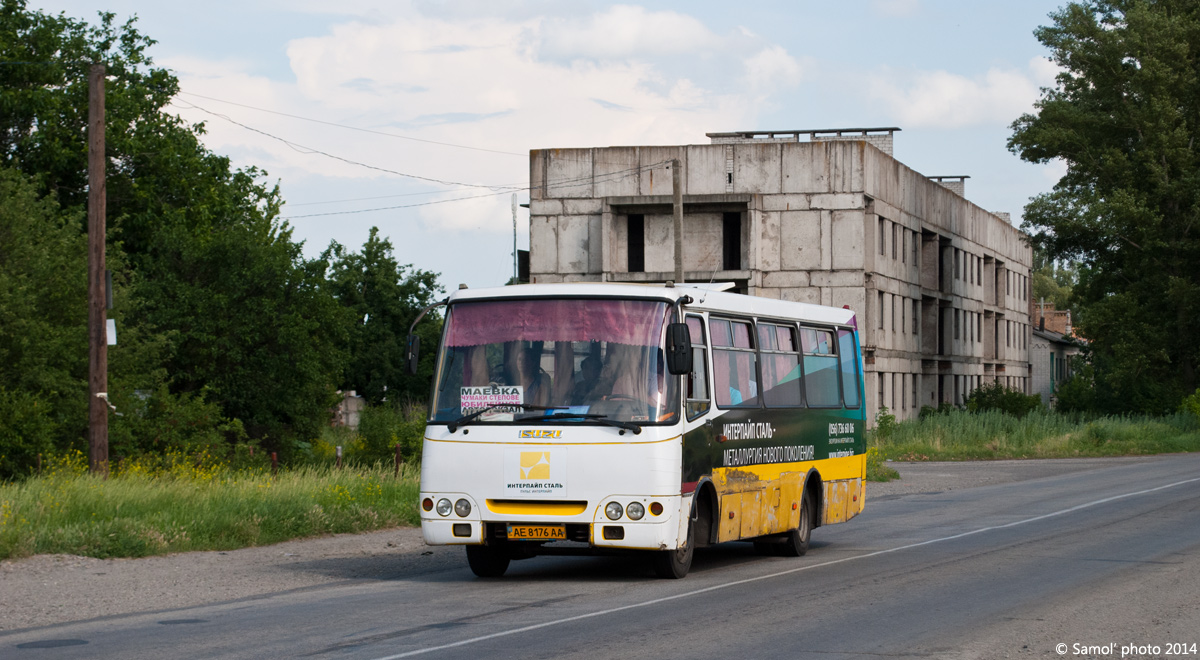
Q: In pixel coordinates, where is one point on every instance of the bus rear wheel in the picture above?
(675, 564)
(486, 561)
(795, 542)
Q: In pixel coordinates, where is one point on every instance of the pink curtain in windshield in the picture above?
(637, 322)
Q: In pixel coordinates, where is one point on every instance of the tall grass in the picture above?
(190, 505)
(959, 435)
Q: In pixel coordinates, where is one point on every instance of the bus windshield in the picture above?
(533, 358)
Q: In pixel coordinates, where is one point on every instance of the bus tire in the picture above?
(795, 542)
(675, 564)
(486, 561)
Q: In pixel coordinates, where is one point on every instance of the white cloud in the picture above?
(947, 100)
(772, 68)
(485, 81)
(625, 31)
(897, 8)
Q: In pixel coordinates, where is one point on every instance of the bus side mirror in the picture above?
(679, 349)
(414, 350)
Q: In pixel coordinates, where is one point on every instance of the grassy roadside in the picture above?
(195, 507)
(192, 503)
(958, 436)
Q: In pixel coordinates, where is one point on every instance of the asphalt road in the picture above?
(1087, 558)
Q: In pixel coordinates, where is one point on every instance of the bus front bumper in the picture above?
(652, 532)
(616, 535)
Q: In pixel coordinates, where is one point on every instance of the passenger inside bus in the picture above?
(523, 367)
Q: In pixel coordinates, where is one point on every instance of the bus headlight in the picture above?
(443, 507)
(635, 510)
(613, 511)
(462, 508)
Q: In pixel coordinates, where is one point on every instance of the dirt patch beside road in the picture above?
(50, 589)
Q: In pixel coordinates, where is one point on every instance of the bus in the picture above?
(593, 418)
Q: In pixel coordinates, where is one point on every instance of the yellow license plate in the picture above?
(537, 532)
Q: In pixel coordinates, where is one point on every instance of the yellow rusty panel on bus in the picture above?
(736, 481)
(759, 507)
(843, 500)
(783, 506)
(857, 507)
(837, 494)
(752, 514)
(731, 518)
(792, 491)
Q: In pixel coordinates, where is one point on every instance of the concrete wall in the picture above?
(1049, 372)
(943, 304)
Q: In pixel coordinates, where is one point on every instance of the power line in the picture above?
(620, 174)
(500, 188)
(365, 199)
(392, 208)
(496, 189)
(356, 128)
(310, 150)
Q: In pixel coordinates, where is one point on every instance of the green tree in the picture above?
(383, 298)
(1123, 116)
(43, 330)
(1053, 281)
(245, 320)
(252, 325)
(43, 324)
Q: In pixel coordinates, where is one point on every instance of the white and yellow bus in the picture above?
(592, 418)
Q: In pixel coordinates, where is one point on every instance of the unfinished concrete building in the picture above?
(941, 287)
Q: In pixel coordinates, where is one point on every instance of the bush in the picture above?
(161, 422)
(27, 429)
(943, 408)
(877, 467)
(994, 396)
(1191, 405)
(380, 429)
(1078, 393)
(885, 423)
(385, 425)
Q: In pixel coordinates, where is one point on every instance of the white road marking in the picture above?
(715, 587)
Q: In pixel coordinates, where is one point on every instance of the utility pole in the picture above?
(97, 339)
(677, 203)
(514, 211)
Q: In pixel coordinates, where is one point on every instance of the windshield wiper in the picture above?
(467, 419)
(603, 419)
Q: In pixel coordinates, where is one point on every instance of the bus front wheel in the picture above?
(795, 542)
(675, 564)
(486, 561)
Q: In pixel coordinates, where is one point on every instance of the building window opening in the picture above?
(731, 241)
(637, 243)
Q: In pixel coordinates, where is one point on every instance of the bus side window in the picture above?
(697, 380)
(780, 365)
(848, 352)
(820, 368)
(735, 364)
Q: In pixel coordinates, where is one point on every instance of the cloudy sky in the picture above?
(418, 116)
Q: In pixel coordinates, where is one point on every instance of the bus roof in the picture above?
(704, 299)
